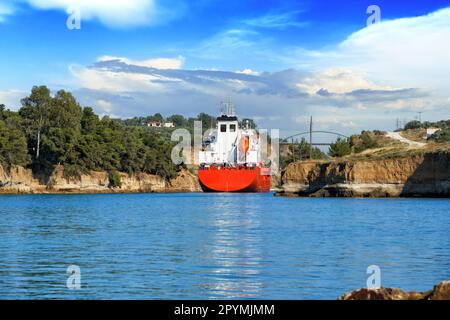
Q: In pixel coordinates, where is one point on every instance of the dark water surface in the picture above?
(213, 246)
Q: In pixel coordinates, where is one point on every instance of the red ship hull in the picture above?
(234, 179)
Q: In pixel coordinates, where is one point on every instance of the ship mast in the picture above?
(227, 108)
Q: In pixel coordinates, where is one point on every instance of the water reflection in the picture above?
(235, 251)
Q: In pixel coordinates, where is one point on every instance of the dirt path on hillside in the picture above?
(399, 137)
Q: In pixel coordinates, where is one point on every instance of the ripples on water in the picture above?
(216, 246)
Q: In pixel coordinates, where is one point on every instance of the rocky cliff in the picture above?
(441, 291)
(425, 175)
(21, 180)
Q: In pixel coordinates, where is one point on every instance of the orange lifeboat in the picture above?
(244, 145)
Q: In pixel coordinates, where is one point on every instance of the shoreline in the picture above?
(19, 180)
(94, 192)
(440, 291)
(417, 176)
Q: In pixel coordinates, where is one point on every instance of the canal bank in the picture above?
(424, 174)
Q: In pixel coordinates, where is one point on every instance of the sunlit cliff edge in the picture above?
(419, 175)
(20, 180)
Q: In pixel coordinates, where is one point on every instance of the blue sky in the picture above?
(279, 60)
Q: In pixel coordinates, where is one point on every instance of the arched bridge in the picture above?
(289, 145)
(286, 140)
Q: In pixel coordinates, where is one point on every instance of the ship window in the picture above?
(223, 128)
(232, 127)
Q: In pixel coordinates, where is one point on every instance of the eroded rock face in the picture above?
(21, 180)
(382, 294)
(440, 291)
(425, 175)
(184, 182)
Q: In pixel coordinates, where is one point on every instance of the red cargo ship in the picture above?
(230, 160)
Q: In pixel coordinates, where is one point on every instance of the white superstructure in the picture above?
(228, 144)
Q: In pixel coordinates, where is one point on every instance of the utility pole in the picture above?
(420, 115)
(310, 137)
(293, 148)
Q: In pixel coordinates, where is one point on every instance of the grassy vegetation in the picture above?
(387, 153)
(415, 130)
(360, 144)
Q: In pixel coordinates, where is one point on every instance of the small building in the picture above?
(169, 125)
(430, 132)
(155, 124)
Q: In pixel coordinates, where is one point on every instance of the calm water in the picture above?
(213, 246)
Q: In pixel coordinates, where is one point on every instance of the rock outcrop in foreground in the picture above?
(440, 291)
(425, 175)
(21, 180)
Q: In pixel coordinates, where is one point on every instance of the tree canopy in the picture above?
(55, 130)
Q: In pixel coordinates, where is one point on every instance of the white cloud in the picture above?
(407, 52)
(328, 121)
(116, 13)
(158, 63)
(249, 71)
(98, 79)
(11, 98)
(380, 64)
(119, 87)
(338, 80)
(104, 105)
(376, 75)
(6, 9)
(276, 21)
(229, 44)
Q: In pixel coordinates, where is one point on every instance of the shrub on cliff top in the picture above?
(114, 179)
(340, 148)
(363, 142)
(415, 124)
(441, 136)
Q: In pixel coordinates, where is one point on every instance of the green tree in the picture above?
(413, 125)
(132, 156)
(247, 121)
(13, 145)
(156, 117)
(158, 156)
(340, 148)
(2, 110)
(60, 138)
(57, 131)
(441, 136)
(207, 121)
(300, 151)
(35, 113)
(178, 120)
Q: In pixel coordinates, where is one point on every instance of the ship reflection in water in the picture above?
(235, 251)
(218, 245)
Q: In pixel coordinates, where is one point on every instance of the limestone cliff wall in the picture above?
(421, 175)
(21, 180)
